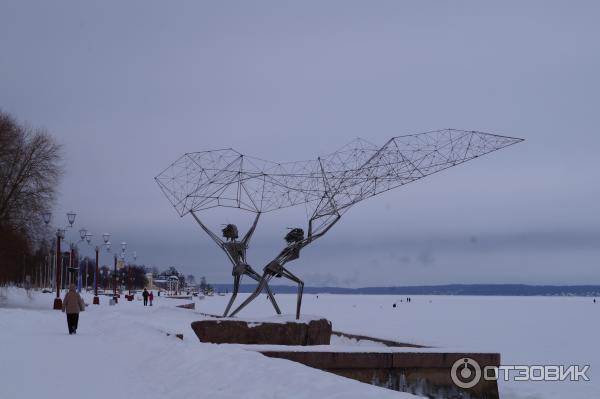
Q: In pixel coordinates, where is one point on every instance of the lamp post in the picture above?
(47, 217)
(115, 276)
(71, 219)
(60, 234)
(115, 296)
(129, 276)
(75, 257)
(123, 249)
(134, 255)
(105, 238)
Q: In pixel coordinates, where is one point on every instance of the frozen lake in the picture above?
(524, 330)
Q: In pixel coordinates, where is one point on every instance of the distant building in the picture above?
(170, 284)
(173, 285)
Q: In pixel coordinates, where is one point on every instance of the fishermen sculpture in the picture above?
(328, 186)
(275, 268)
(236, 253)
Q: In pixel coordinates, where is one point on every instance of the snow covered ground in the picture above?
(123, 351)
(524, 330)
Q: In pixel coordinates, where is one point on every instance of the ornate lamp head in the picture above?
(71, 217)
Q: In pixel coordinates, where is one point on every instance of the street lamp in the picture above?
(47, 217)
(105, 238)
(122, 257)
(88, 239)
(71, 217)
(115, 296)
(60, 234)
(73, 248)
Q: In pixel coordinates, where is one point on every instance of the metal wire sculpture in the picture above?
(327, 186)
(236, 253)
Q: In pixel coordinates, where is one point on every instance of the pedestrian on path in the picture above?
(72, 305)
(145, 295)
(151, 297)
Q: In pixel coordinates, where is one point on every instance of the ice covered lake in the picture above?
(127, 345)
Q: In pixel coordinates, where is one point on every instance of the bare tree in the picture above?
(30, 169)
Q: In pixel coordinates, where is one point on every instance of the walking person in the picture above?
(151, 297)
(145, 295)
(72, 305)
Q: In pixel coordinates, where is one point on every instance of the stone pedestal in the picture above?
(227, 331)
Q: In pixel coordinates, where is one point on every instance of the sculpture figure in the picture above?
(275, 268)
(236, 253)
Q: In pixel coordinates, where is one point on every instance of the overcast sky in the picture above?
(129, 86)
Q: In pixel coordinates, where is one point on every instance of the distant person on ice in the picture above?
(145, 295)
(151, 297)
(72, 305)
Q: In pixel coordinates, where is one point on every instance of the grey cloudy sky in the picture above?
(128, 87)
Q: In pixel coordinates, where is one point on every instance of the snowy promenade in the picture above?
(123, 351)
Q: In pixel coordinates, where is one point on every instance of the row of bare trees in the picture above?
(30, 170)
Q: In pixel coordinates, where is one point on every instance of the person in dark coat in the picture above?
(72, 305)
(151, 297)
(145, 295)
